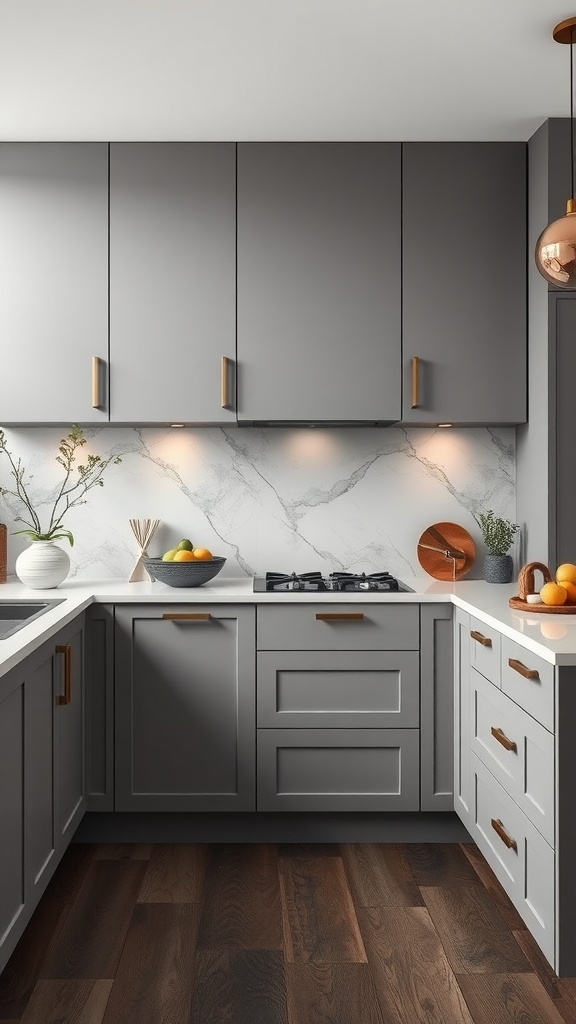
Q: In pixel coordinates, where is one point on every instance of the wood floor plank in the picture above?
(472, 931)
(242, 908)
(239, 987)
(331, 994)
(89, 939)
(318, 915)
(22, 970)
(414, 981)
(120, 851)
(491, 883)
(440, 864)
(308, 850)
(68, 1002)
(175, 874)
(508, 999)
(379, 875)
(155, 975)
(562, 991)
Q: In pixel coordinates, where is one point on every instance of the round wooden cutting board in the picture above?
(440, 538)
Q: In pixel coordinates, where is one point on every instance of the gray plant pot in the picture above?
(498, 568)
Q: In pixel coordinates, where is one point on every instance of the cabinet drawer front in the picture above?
(529, 680)
(312, 627)
(485, 650)
(338, 770)
(526, 871)
(518, 751)
(364, 689)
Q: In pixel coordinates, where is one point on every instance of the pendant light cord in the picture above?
(572, 111)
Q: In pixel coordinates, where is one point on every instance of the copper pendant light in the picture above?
(556, 248)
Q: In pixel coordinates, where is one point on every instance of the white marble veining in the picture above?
(355, 498)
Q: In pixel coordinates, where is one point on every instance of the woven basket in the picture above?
(526, 584)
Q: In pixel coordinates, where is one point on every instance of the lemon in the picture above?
(184, 545)
(168, 556)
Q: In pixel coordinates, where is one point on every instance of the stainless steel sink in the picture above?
(16, 614)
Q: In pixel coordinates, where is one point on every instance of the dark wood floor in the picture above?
(365, 934)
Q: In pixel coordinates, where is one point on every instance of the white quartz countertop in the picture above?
(552, 637)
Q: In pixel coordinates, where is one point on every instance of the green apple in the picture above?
(169, 555)
(185, 545)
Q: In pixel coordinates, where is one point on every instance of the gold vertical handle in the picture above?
(96, 398)
(499, 829)
(225, 383)
(415, 382)
(66, 650)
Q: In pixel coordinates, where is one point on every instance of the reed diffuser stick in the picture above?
(143, 530)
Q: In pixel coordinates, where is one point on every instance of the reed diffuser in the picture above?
(143, 530)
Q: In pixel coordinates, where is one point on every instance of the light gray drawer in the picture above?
(529, 681)
(521, 859)
(485, 650)
(338, 627)
(338, 770)
(518, 751)
(347, 689)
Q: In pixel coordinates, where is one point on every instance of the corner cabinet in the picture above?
(319, 282)
(54, 282)
(185, 691)
(172, 282)
(464, 283)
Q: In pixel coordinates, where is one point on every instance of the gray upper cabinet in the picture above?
(54, 274)
(172, 282)
(464, 283)
(319, 289)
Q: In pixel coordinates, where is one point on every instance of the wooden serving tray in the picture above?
(548, 609)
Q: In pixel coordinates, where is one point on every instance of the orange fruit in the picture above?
(570, 589)
(566, 571)
(202, 554)
(553, 593)
(183, 556)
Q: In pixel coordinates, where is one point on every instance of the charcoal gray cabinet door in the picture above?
(70, 799)
(53, 281)
(12, 888)
(40, 762)
(464, 282)
(319, 290)
(563, 439)
(99, 717)
(172, 282)
(185, 714)
(436, 708)
(462, 773)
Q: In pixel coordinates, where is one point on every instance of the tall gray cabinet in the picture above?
(319, 289)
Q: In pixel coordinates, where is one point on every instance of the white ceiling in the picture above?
(280, 69)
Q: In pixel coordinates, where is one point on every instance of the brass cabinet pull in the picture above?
(187, 616)
(225, 383)
(528, 673)
(66, 650)
(501, 831)
(339, 616)
(96, 397)
(415, 382)
(503, 739)
(480, 638)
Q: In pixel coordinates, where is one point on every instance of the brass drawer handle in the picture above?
(187, 616)
(66, 650)
(484, 640)
(96, 397)
(225, 383)
(527, 673)
(339, 616)
(502, 738)
(415, 382)
(499, 829)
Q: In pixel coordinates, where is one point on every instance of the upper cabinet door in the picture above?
(319, 242)
(53, 282)
(464, 262)
(172, 282)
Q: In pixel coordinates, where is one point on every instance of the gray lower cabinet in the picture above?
(184, 695)
(54, 271)
(464, 292)
(172, 282)
(42, 776)
(99, 722)
(462, 668)
(319, 281)
(436, 708)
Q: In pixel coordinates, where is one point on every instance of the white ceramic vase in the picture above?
(43, 565)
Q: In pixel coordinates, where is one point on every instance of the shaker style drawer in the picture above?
(521, 859)
(518, 751)
(338, 770)
(485, 650)
(338, 627)
(349, 689)
(528, 680)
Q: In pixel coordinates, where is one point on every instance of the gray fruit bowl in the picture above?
(184, 574)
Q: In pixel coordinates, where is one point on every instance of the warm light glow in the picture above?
(311, 446)
(444, 424)
(176, 424)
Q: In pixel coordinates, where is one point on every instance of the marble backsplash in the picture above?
(289, 500)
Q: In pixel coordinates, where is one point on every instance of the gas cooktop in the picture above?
(334, 583)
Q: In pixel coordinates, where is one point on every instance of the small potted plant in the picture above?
(498, 535)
